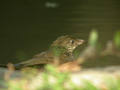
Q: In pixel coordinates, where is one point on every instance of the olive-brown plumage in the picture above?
(62, 48)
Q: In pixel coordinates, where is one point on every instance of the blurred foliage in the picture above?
(89, 85)
(16, 85)
(117, 39)
(93, 38)
(57, 50)
(61, 80)
(60, 76)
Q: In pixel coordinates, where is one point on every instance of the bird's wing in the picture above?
(43, 58)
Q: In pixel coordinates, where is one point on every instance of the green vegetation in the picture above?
(117, 39)
(57, 50)
(54, 80)
(93, 39)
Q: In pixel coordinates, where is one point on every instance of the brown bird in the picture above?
(62, 48)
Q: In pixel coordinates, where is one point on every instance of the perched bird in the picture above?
(62, 49)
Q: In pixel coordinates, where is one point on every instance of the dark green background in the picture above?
(28, 26)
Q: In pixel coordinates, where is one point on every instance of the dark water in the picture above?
(29, 26)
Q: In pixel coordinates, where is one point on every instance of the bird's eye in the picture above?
(72, 41)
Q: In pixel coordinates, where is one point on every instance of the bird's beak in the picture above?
(81, 41)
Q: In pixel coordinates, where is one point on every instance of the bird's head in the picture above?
(68, 42)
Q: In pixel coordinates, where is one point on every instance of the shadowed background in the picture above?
(29, 26)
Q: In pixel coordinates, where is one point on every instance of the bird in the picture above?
(61, 49)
